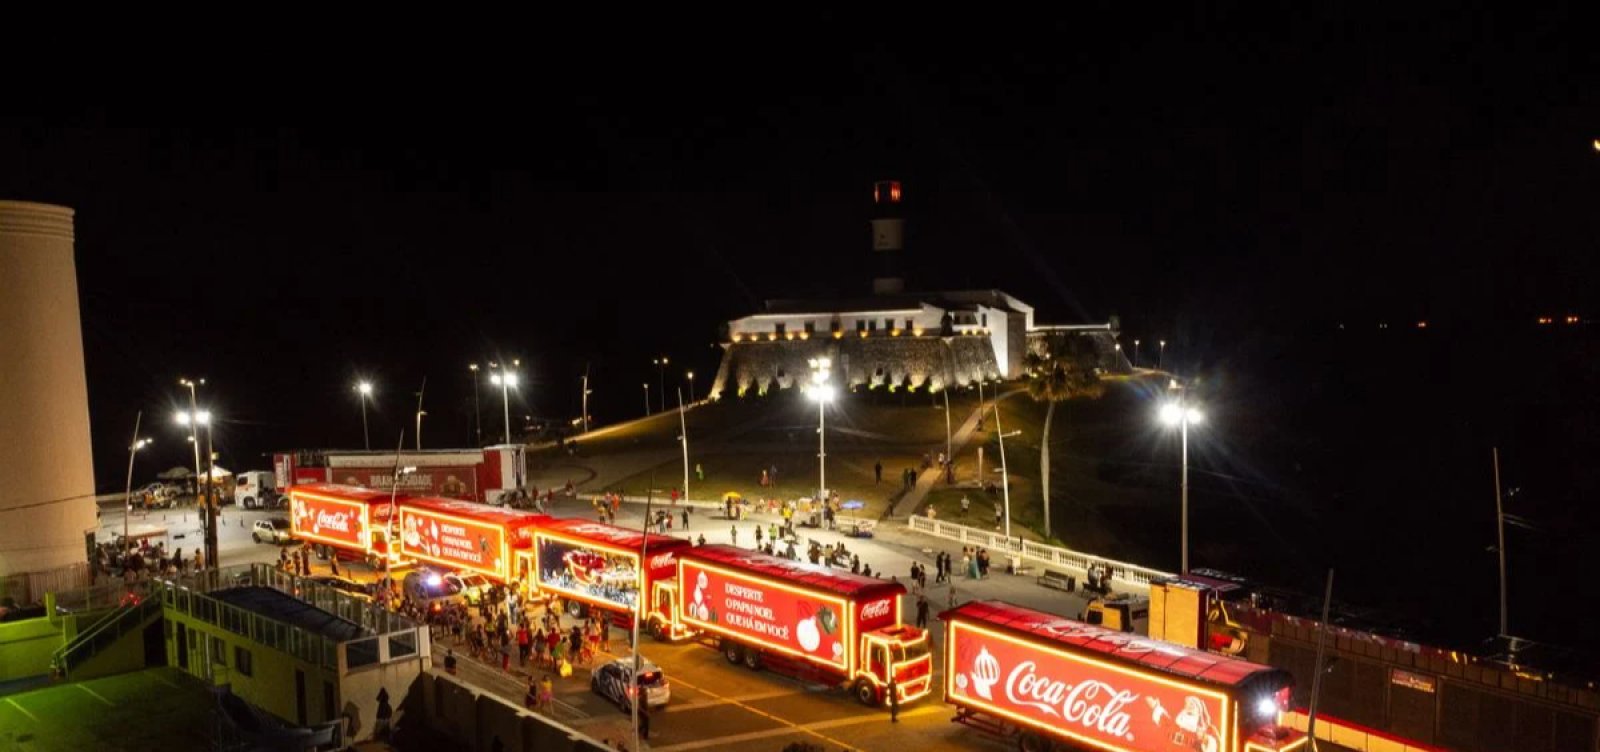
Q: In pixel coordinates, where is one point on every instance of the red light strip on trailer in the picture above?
(361, 508)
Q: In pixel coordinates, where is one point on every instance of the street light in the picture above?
(1136, 353)
(364, 388)
(127, 510)
(194, 420)
(690, 374)
(1181, 415)
(477, 414)
(1161, 356)
(661, 381)
(506, 381)
(821, 392)
(647, 398)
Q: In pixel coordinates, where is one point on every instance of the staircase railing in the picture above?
(104, 633)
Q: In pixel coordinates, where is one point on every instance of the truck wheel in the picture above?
(576, 609)
(255, 537)
(731, 651)
(866, 694)
(249, 502)
(752, 659)
(658, 630)
(1030, 742)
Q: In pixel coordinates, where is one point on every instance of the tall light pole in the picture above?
(193, 436)
(477, 414)
(421, 412)
(194, 421)
(364, 388)
(1161, 356)
(1119, 354)
(646, 398)
(661, 378)
(1136, 353)
(690, 374)
(586, 394)
(949, 455)
(1181, 415)
(822, 392)
(127, 510)
(506, 381)
(1500, 527)
(1005, 476)
(683, 435)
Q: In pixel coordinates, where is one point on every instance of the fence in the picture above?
(27, 588)
(1049, 556)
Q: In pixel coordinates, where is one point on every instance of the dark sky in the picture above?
(283, 214)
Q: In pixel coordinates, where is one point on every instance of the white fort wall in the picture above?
(46, 465)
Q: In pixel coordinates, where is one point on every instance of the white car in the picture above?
(611, 680)
(472, 587)
(271, 531)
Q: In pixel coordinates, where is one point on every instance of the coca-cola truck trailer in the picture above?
(1054, 683)
(468, 474)
(814, 621)
(466, 536)
(592, 564)
(349, 520)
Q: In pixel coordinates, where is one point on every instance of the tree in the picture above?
(1063, 368)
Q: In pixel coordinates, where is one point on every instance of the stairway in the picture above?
(117, 624)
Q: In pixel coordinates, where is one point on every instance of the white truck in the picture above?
(256, 489)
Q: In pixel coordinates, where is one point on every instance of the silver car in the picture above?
(271, 531)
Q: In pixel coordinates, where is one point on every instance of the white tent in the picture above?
(219, 472)
(176, 473)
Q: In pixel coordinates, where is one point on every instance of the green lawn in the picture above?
(151, 709)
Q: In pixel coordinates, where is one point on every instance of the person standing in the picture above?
(733, 533)
(966, 505)
(894, 698)
(922, 612)
(877, 472)
(685, 514)
(644, 720)
(699, 472)
(999, 515)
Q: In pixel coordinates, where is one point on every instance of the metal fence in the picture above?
(28, 588)
(1051, 557)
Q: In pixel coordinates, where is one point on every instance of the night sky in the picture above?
(282, 216)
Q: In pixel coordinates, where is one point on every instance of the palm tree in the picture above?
(1062, 369)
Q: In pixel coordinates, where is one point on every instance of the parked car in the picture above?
(611, 680)
(430, 588)
(275, 530)
(342, 584)
(157, 495)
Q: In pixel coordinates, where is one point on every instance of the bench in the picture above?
(1058, 580)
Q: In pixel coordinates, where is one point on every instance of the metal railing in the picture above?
(1047, 555)
(103, 634)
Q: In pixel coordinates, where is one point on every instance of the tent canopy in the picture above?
(219, 472)
(176, 473)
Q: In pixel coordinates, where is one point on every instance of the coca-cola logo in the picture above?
(1091, 703)
(875, 610)
(663, 561)
(339, 521)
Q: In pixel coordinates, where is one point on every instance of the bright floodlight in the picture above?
(1193, 416)
(824, 363)
(819, 377)
(1171, 414)
(821, 393)
(365, 388)
(203, 417)
(511, 379)
(1266, 706)
(434, 580)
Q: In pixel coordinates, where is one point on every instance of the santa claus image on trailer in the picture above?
(1194, 727)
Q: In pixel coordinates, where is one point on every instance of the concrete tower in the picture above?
(46, 465)
(888, 237)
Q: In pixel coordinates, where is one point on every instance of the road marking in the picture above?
(791, 726)
(810, 728)
(96, 695)
(23, 710)
(752, 697)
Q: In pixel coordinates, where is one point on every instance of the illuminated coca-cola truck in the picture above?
(592, 564)
(348, 521)
(466, 536)
(1053, 683)
(797, 618)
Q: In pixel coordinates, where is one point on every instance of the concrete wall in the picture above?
(270, 685)
(26, 647)
(925, 362)
(47, 469)
(478, 719)
(358, 693)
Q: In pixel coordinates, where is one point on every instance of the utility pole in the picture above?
(683, 431)
(420, 412)
(127, 509)
(477, 413)
(1500, 525)
(1316, 677)
(586, 398)
(211, 501)
(644, 556)
(948, 455)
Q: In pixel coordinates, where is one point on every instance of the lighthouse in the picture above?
(888, 237)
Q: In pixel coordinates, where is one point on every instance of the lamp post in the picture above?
(506, 381)
(364, 388)
(193, 437)
(1136, 353)
(1119, 354)
(477, 414)
(586, 394)
(1161, 355)
(822, 392)
(661, 379)
(1181, 415)
(127, 510)
(683, 431)
(690, 374)
(646, 398)
(194, 421)
(1005, 476)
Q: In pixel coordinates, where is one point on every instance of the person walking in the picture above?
(686, 518)
(894, 698)
(758, 535)
(733, 533)
(547, 693)
(524, 644)
(922, 612)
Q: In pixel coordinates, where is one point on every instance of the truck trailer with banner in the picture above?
(805, 619)
(347, 521)
(597, 565)
(466, 536)
(1054, 683)
(467, 474)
